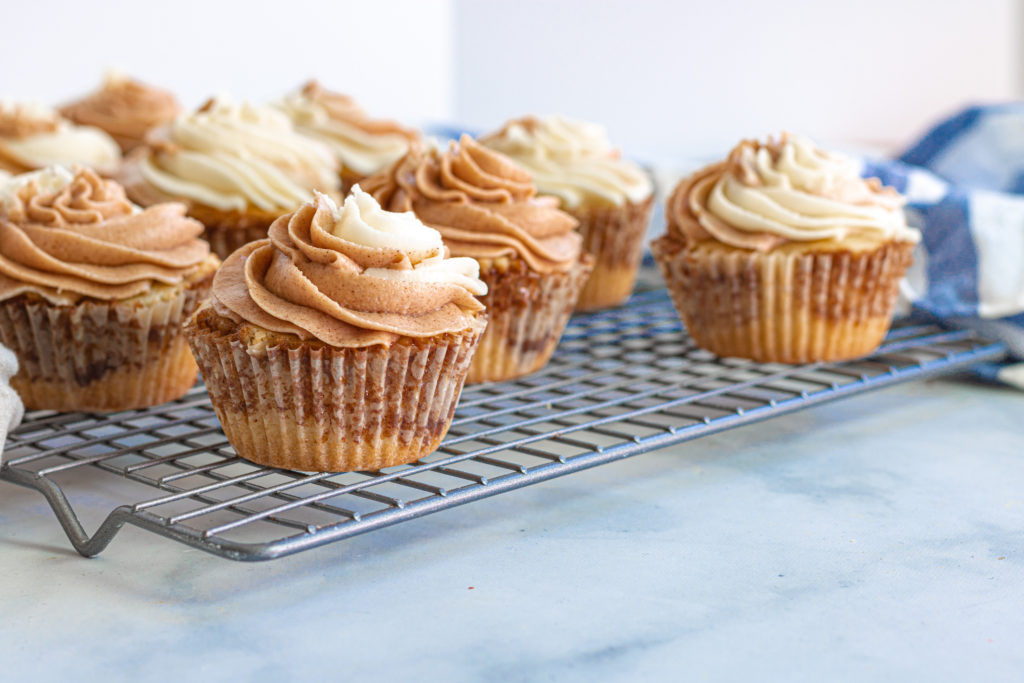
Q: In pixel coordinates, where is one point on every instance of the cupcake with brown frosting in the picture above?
(362, 144)
(609, 196)
(93, 292)
(342, 341)
(125, 108)
(783, 253)
(530, 255)
(33, 136)
(236, 166)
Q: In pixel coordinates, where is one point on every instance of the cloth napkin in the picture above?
(964, 183)
(11, 408)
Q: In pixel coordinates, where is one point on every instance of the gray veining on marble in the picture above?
(878, 538)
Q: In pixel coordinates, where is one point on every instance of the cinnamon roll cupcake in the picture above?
(341, 342)
(125, 109)
(236, 166)
(609, 196)
(93, 292)
(363, 145)
(33, 136)
(783, 253)
(530, 255)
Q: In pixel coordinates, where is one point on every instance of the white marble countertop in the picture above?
(880, 537)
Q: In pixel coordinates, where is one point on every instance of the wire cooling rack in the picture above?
(622, 382)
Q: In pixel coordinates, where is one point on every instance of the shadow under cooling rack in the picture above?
(622, 382)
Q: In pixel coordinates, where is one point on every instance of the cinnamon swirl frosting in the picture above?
(125, 108)
(482, 203)
(65, 235)
(349, 276)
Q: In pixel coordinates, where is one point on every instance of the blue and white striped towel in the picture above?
(964, 182)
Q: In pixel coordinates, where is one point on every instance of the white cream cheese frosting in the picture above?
(34, 136)
(362, 144)
(572, 160)
(234, 156)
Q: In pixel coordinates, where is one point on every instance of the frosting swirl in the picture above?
(362, 144)
(125, 108)
(33, 136)
(572, 160)
(67, 235)
(234, 156)
(354, 276)
(767, 194)
(482, 203)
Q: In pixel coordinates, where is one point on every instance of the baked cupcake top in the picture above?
(33, 136)
(231, 157)
(768, 194)
(362, 144)
(125, 108)
(572, 160)
(66, 234)
(351, 276)
(482, 203)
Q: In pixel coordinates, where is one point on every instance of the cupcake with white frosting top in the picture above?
(784, 253)
(609, 196)
(236, 166)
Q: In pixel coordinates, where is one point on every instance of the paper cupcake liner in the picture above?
(100, 356)
(786, 307)
(224, 241)
(614, 236)
(527, 313)
(312, 407)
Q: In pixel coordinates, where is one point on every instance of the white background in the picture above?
(669, 79)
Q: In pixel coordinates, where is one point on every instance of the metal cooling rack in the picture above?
(622, 382)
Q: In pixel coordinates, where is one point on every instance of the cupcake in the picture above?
(530, 255)
(236, 166)
(363, 145)
(125, 108)
(93, 292)
(33, 137)
(783, 253)
(342, 341)
(609, 196)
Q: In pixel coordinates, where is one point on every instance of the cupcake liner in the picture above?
(614, 236)
(313, 407)
(101, 356)
(527, 313)
(793, 306)
(223, 241)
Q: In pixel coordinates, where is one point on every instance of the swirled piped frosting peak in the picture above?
(125, 108)
(234, 157)
(65, 235)
(363, 145)
(483, 204)
(572, 160)
(349, 276)
(34, 136)
(768, 194)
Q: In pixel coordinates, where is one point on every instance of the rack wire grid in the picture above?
(622, 382)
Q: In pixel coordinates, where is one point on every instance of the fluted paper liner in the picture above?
(784, 306)
(312, 407)
(101, 356)
(226, 231)
(527, 313)
(614, 236)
